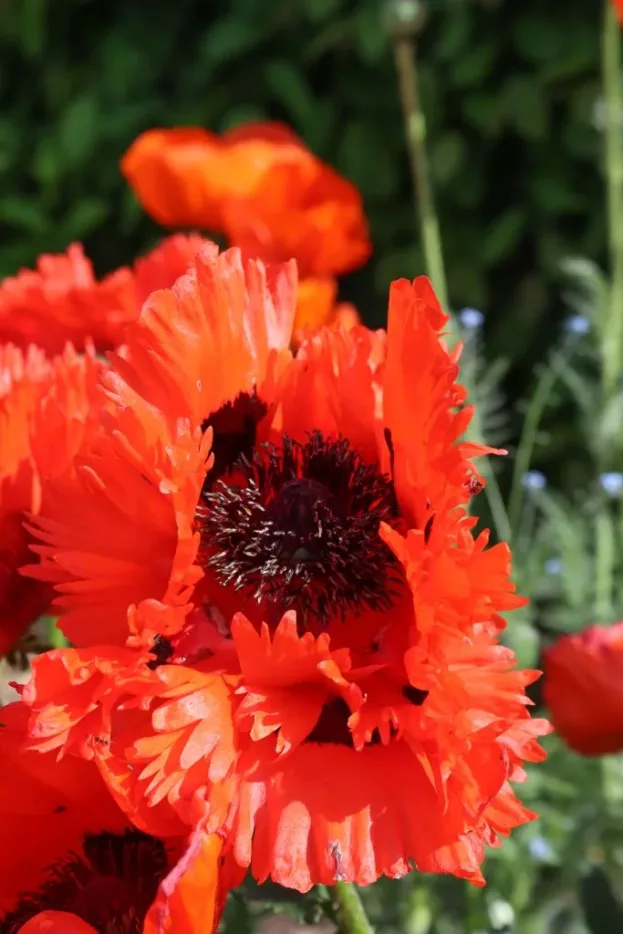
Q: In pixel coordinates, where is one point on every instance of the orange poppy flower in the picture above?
(71, 864)
(62, 301)
(328, 690)
(302, 209)
(183, 176)
(47, 413)
(260, 185)
(583, 689)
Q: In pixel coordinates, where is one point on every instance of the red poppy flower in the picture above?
(260, 185)
(71, 864)
(227, 328)
(583, 689)
(618, 8)
(361, 716)
(47, 414)
(62, 301)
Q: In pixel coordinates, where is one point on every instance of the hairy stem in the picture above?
(415, 128)
(612, 330)
(351, 914)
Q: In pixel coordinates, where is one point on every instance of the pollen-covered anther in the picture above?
(300, 529)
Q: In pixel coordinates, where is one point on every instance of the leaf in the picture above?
(537, 38)
(229, 39)
(448, 156)
(503, 236)
(77, 132)
(372, 41)
(84, 217)
(24, 213)
(290, 87)
(602, 911)
(526, 106)
(29, 25)
(476, 64)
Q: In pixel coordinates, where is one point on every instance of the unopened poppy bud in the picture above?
(405, 18)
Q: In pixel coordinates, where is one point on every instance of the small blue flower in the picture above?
(471, 318)
(553, 566)
(534, 480)
(612, 483)
(540, 849)
(577, 324)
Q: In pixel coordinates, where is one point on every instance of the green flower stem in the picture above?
(612, 325)
(351, 914)
(523, 458)
(426, 215)
(612, 331)
(415, 127)
(605, 548)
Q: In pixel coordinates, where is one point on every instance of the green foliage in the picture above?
(511, 94)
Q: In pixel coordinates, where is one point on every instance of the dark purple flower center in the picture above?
(297, 527)
(111, 885)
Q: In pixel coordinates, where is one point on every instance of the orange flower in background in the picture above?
(61, 301)
(583, 689)
(301, 208)
(71, 864)
(47, 413)
(316, 307)
(260, 185)
(326, 688)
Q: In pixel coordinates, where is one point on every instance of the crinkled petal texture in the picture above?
(53, 810)
(61, 300)
(337, 739)
(46, 807)
(583, 689)
(48, 413)
(123, 530)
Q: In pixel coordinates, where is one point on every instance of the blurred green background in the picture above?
(511, 91)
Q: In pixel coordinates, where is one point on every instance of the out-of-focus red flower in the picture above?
(71, 864)
(583, 689)
(61, 301)
(183, 177)
(618, 8)
(47, 414)
(286, 537)
(316, 307)
(261, 186)
(302, 209)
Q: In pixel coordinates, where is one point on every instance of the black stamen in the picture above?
(414, 695)
(234, 428)
(162, 650)
(111, 885)
(303, 533)
(332, 725)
